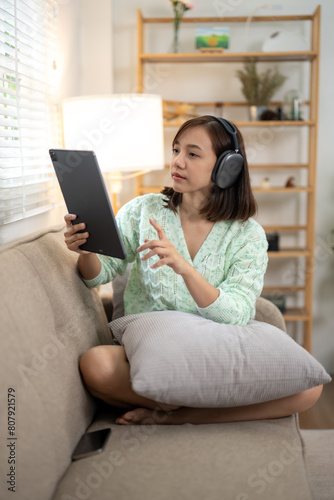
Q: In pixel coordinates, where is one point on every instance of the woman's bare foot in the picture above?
(277, 408)
(178, 416)
(145, 416)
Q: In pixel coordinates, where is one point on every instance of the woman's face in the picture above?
(192, 162)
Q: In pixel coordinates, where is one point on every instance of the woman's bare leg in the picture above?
(106, 373)
(271, 409)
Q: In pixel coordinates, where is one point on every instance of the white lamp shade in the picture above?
(124, 130)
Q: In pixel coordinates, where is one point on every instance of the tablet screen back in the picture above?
(85, 195)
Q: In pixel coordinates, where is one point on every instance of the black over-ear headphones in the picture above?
(230, 163)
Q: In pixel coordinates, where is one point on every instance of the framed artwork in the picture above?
(212, 38)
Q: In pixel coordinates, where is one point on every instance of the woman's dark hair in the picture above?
(234, 203)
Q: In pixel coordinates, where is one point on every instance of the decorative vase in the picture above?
(292, 105)
(255, 112)
(175, 44)
(179, 8)
(252, 113)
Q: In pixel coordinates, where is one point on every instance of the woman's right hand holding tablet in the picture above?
(73, 238)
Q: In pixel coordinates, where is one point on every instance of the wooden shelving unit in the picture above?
(302, 314)
(272, 123)
(228, 57)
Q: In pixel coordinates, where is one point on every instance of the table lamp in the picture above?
(124, 130)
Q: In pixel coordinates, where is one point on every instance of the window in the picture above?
(29, 121)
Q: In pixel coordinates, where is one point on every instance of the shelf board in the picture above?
(278, 166)
(282, 190)
(230, 104)
(157, 189)
(296, 314)
(258, 123)
(293, 313)
(273, 166)
(286, 289)
(283, 229)
(277, 123)
(286, 56)
(227, 19)
(289, 252)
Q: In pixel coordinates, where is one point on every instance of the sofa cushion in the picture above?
(319, 459)
(185, 359)
(49, 318)
(235, 461)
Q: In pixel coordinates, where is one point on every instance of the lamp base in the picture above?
(114, 187)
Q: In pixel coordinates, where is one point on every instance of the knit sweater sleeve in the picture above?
(247, 262)
(128, 224)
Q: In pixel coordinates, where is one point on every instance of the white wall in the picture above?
(96, 48)
(173, 83)
(85, 47)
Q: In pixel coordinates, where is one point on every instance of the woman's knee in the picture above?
(308, 398)
(98, 366)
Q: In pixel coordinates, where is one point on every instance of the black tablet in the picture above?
(85, 195)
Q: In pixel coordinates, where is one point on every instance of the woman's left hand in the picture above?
(165, 250)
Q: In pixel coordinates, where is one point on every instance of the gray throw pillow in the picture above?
(184, 359)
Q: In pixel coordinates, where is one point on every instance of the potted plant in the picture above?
(259, 88)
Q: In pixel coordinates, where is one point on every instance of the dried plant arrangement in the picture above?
(259, 88)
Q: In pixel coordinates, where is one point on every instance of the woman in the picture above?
(194, 248)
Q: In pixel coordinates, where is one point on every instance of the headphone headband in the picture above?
(230, 129)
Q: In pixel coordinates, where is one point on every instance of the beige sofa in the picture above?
(48, 320)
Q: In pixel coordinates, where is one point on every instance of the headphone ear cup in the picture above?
(218, 167)
(227, 169)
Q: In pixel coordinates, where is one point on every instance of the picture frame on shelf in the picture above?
(212, 38)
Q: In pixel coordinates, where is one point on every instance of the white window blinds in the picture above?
(29, 122)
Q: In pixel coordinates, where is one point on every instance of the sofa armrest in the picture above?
(267, 312)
